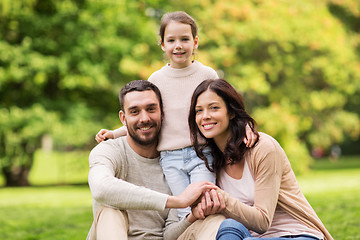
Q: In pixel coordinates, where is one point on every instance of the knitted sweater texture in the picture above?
(176, 87)
(275, 185)
(122, 179)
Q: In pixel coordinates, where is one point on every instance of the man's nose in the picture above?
(144, 116)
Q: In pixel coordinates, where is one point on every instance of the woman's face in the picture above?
(212, 117)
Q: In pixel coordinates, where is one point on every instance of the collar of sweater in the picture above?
(182, 72)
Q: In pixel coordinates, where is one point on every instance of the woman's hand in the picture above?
(211, 202)
(189, 195)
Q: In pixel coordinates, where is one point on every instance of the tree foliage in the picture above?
(62, 64)
(296, 64)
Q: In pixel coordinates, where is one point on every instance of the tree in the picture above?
(295, 62)
(62, 64)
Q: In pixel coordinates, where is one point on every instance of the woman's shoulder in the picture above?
(265, 146)
(265, 140)
(267, 153)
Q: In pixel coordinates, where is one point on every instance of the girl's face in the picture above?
(212, 117)
(179, 44)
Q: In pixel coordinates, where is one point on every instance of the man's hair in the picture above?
(139, 85)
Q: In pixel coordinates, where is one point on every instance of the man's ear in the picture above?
(122, 117)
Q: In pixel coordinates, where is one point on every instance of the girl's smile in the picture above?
(179, 44)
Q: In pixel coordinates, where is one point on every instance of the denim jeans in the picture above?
(233, 230)
(182, 167)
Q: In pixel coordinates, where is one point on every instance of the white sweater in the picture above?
(176, 87)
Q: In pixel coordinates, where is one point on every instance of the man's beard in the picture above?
(146, 140)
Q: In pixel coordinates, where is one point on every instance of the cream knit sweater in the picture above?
(176, 87)
(122, 179)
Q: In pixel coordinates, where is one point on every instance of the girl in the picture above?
(177, 81)
(260, 189)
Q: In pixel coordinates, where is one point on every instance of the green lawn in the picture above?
(64, 212)
(57, 213)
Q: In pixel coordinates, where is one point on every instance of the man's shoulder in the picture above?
(110, 147)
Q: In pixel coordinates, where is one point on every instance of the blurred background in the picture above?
(62, 64)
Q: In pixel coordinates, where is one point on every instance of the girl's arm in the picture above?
(250, 137)
(105, 134)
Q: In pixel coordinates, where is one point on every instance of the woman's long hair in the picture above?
(235, 148)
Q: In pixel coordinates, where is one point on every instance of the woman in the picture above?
(262, 196)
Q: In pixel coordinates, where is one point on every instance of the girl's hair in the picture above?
(235, 148)
(179, 16)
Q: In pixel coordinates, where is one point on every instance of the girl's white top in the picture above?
(176, 87)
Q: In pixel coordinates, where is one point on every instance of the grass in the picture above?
(65, 212)
(333, 189)
(57, 213)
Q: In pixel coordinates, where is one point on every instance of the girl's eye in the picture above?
(185, 39)
(198, 110)
(170, 40)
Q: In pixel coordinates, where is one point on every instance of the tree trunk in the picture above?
(16, 176)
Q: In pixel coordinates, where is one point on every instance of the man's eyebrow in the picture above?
(132, 107)
(148, 105)
(152, 105)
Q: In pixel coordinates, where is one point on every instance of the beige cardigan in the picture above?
(275, 184)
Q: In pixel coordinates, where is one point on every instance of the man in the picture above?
(131, 197)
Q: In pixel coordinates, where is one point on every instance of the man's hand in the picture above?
(189, 195)
(211, 202)
(104, 134)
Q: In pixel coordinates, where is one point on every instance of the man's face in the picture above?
(142, 116)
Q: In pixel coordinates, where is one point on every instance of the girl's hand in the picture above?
(104, 134)
(250, 137)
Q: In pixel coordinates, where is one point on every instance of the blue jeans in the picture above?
(233, 230)
(182, 167)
